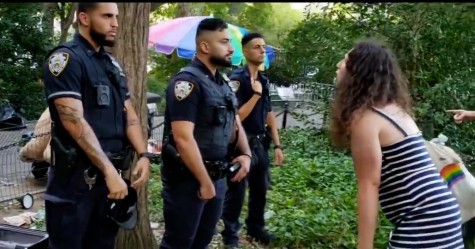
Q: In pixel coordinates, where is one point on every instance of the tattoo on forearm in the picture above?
(82, 133)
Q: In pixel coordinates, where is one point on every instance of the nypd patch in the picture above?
(57, 62)
(183, 89)
(234, 84)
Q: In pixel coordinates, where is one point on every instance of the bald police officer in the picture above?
(255, 110)
(200, 120)
(92, 123)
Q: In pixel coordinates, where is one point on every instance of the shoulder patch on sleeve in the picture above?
(183, 89)
(234, 84)
(57, 62)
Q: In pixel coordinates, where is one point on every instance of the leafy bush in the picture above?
(452, 93)
(437, 59)
(312, 203)
(155, 203)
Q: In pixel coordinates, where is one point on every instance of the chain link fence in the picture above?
(17, 177)
(21, 176)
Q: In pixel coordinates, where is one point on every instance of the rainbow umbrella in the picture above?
(179, 34)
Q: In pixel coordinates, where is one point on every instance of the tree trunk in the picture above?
(67, 18)
(48, 10)
(131, 50)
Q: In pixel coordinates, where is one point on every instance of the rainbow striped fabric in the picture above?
(179, 34)
(452, 173)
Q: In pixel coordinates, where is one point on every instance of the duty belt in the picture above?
(90, 174)
(216, 169)
(117, 159)
(254, 140)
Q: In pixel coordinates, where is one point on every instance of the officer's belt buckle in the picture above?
(117, 159)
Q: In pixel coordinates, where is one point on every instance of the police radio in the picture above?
(103, 95)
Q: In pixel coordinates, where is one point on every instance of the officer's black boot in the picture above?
(263, 237)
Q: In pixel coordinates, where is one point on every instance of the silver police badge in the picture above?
(57, 62)
(183, 89)
(117, 65)
(225, 77)
(234, 84)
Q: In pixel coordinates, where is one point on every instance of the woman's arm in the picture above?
(367, 159)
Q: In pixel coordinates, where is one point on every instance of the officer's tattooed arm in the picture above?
(70, 112)
(134, 129)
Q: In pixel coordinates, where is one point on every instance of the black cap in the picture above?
(124, 212)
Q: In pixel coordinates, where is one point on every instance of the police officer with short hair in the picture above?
(200, 122)
(255, 110)
(93, 122)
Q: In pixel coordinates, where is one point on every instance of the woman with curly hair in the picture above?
(372, 116)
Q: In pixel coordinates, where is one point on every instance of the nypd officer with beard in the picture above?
(200, 122)
(93, 122)
(255, 110)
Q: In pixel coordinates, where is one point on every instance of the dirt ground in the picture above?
(13, 207)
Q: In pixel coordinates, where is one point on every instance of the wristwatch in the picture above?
(278, 147)
(147, 155)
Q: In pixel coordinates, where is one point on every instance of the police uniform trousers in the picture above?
(258, 183)
(82, 222)
(189, 221)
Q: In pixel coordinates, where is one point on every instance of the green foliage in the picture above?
(21, 57)
(431, 41)
(312, 203)
(315, 42)
(155, 203)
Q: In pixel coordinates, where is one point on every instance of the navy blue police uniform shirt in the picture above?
(254, 123)
(183, 94)
(66, 76)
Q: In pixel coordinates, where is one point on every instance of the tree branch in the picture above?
(70, 15)
(66, 21)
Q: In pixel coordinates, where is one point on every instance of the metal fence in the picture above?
(18, 178)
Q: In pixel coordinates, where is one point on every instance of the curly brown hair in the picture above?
(373, 78)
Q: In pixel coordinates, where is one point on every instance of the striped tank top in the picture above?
(415, 198)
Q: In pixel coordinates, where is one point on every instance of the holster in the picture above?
(266, 141)
(65, 160)
(256, 144)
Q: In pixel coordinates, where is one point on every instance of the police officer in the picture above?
(200, 122)
(252, 91)
(93, 121)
